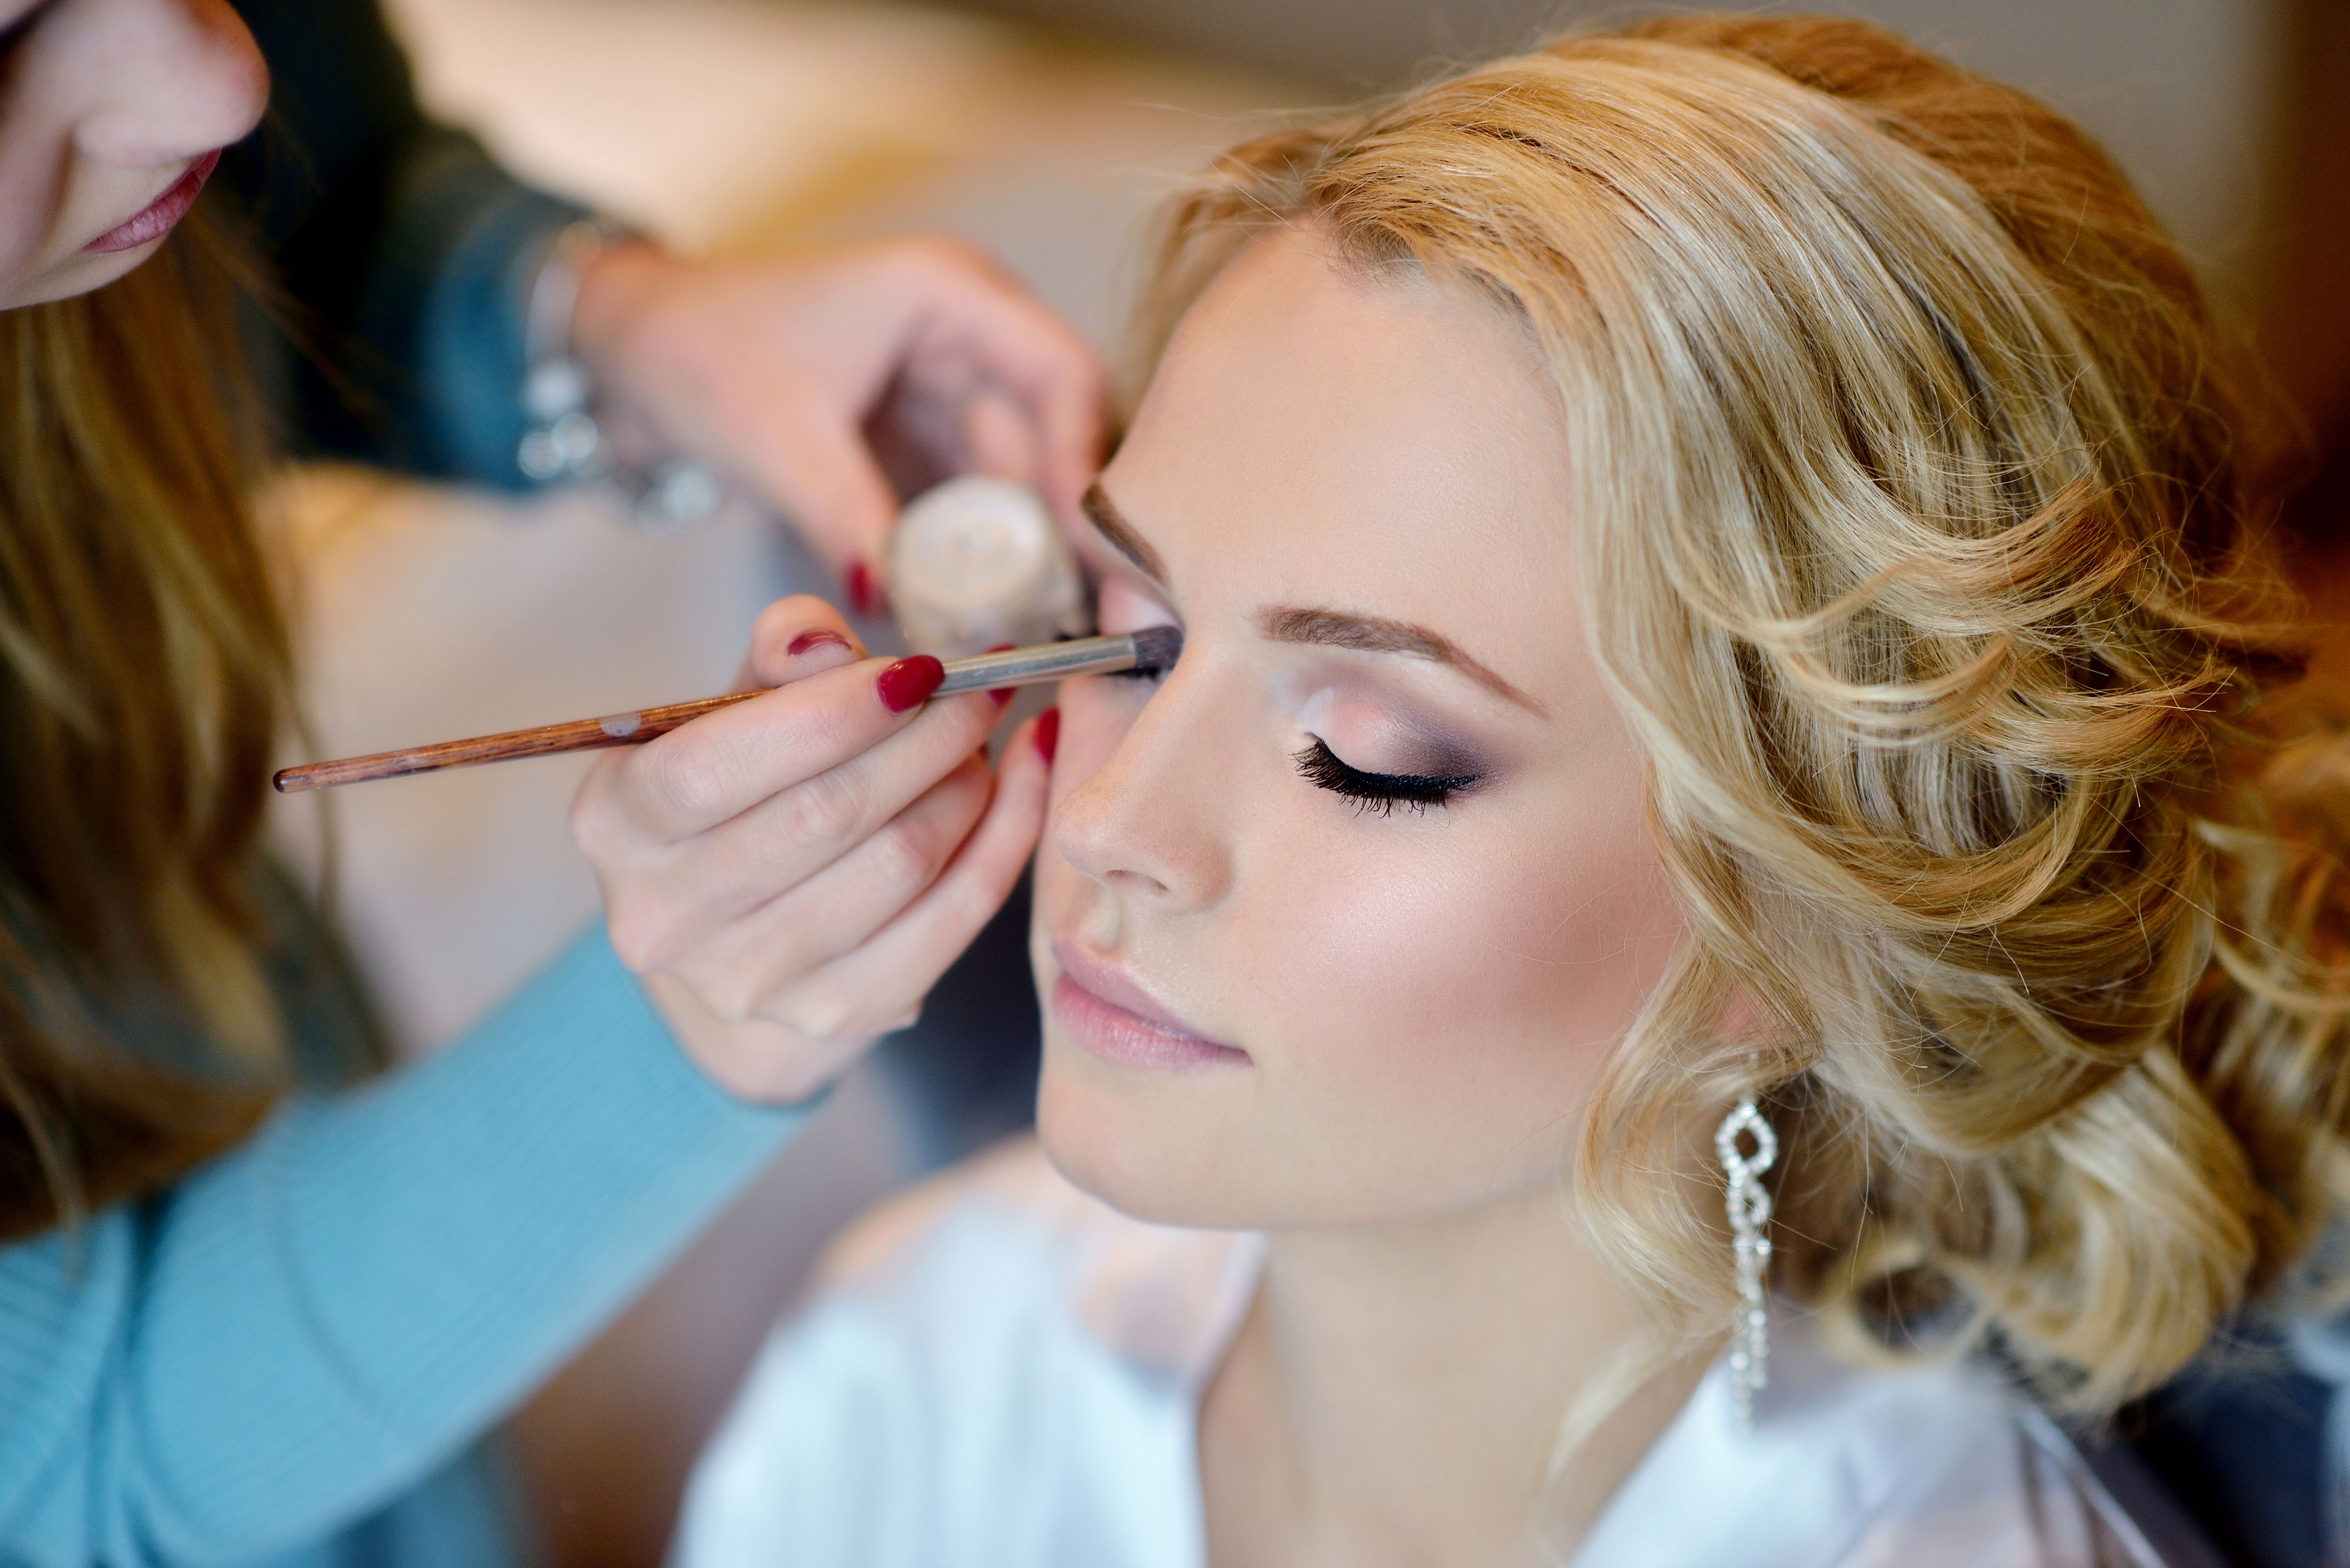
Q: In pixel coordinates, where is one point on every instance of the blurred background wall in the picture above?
(2233, 117)
(2182, 88)
(1046, 129)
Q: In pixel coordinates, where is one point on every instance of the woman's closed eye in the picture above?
(1380, 792)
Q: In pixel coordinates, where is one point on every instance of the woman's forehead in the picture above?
(1296, 366)
(1319, 439)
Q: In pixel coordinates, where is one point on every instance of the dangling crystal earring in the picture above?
(1750, 1221)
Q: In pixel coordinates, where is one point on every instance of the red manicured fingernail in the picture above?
(818, 638)
(1003, 695)
(909, 682)
(859, 584)
(1049, 733)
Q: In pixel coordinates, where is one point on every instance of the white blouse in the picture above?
(998, 1371)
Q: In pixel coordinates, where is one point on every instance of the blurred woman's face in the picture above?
(112, 113)
(1337, 924)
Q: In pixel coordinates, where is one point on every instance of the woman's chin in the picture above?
(81, 272)
(1138, 1146)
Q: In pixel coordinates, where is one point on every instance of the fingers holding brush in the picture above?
(758, 749)
(910, 953)
(745, 853)
(801, 1023)
(794, 638)
(766, 948)
(672, 882)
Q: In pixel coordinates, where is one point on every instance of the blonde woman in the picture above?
(1726, 649)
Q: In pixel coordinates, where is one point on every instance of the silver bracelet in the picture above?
(562, 442)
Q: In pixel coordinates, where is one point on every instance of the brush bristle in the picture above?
(1157, 646)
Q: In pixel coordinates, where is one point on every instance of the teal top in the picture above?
(296, 1345)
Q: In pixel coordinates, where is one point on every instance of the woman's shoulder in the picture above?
(976, 1354)
(1920, 1464)
(997, 1368)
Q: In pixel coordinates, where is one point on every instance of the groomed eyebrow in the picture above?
(1103, 515)
(1376, 634)
(1328, 628)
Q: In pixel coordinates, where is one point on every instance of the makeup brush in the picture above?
(1153, 648)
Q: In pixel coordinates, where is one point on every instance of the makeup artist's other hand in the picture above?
(835, 379)
(791, 875)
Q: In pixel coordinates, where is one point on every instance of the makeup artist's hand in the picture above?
(792, 875)
(821, 377)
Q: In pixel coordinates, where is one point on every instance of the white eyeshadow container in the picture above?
(979, 563)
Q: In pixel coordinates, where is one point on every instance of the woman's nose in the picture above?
(1140, 821)
(157, 82)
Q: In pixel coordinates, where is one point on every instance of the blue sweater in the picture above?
(326, 1317)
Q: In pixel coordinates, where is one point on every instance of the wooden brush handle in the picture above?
(578, 735)
(1152, 648)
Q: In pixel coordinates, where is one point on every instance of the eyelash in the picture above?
(1375, 793)
(1379, 792)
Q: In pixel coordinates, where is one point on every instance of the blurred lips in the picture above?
(157, 218)
(1114, 1019)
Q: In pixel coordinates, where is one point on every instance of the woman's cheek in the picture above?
(1441, 1020)
(33, 158)
(1388, 972)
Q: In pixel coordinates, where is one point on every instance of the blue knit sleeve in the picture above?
(453, 282)
(315, 1322)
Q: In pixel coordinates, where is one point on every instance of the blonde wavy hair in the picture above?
(1921, 519)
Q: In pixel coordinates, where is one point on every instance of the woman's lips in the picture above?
(1112, 1017)
(156, 219)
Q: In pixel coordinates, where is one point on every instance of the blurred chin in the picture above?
(81, 274)
(1145, 1147)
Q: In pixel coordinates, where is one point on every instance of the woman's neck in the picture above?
(1395, 1395)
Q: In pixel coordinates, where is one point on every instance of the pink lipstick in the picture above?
(1109, 1015)
(157, 218)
